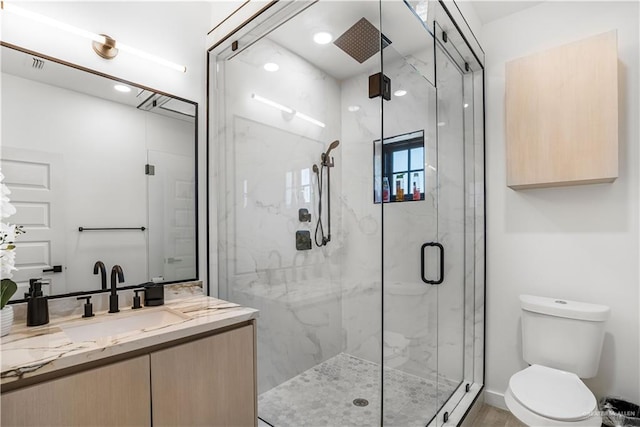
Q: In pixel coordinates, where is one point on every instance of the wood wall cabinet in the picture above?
(208, 381)
(562, 115)
(219, 370)
(112, 395)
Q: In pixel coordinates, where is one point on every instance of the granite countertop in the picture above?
(31, 351)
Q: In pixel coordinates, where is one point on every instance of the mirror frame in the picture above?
(196, 189)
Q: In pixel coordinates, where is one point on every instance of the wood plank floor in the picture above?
(490, 416)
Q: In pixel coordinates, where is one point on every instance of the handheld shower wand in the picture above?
(326, 161)
(319, 228)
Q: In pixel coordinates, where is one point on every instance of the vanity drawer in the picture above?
(117, 394)
(209, 382)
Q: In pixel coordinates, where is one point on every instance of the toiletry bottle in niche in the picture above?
(385, 190)
(416, 189)
(399, 188)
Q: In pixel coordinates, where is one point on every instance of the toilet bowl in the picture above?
(542, 396)
(562, 341)
(396, 349)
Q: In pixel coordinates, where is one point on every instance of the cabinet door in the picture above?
(112, 395)
(206, 382)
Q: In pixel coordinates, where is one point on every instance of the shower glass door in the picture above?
(410, 219)
(451, 224)
(428, 222)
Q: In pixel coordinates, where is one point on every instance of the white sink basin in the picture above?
(122, 324)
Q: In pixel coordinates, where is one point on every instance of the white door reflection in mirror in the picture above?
(35, 181)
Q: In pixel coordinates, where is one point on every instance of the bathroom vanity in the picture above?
(189, 362)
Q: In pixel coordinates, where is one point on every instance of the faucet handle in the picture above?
(136, 299)
(88, 307)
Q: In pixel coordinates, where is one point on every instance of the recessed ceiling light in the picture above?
(122, 88)
(353, 108)
(322, 37)
(441, 123)
(400, 92)
(466, 105)
(271, 66)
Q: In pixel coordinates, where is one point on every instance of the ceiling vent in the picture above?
(37, 63)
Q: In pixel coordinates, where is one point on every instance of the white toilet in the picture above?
(562, 341)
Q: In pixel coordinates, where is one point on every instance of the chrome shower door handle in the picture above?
(422, 263)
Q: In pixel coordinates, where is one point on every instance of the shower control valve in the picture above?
(304, 215)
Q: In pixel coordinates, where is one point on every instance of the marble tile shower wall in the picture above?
(361, 222)
(267, 174)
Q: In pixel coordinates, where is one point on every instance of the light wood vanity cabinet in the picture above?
(218, 370)
(118, 394)
(208, 381)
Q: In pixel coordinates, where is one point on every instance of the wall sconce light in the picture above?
(106, 49)
(272, 103)
(103, 45)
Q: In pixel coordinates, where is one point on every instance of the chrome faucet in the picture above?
(99, 266)
(116, 272)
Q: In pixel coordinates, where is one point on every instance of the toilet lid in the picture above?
(553, 393)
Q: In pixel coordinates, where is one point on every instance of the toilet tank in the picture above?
(563, 334)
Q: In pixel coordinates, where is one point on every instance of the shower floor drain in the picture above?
(360, 402)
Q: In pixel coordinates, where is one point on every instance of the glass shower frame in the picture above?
(470, 370)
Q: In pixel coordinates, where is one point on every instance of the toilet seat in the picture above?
(530, 418)
(542, 396)
(552, 393)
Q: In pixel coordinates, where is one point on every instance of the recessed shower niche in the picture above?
(401, 167)
(389, 310)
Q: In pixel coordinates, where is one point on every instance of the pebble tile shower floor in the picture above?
(323, 396)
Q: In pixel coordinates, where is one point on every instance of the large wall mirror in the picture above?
(100, 170)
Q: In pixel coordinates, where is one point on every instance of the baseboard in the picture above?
(494, 398)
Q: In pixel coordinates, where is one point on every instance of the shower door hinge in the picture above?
(149, 169)
(446, 417)
(379, 85)
(444, 36)
(234, 46)
(467, 388)
(466, 66)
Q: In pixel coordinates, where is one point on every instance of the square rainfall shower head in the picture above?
(361, 41)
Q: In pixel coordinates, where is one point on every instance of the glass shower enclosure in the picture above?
(349, 176)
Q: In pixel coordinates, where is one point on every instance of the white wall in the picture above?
(172, 30)
(577, 243)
